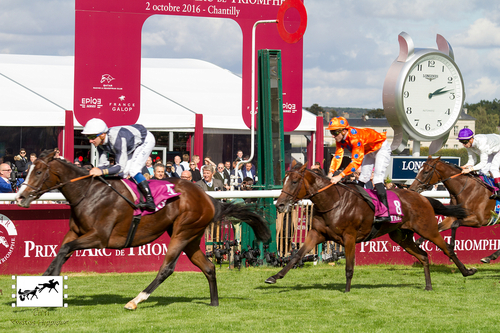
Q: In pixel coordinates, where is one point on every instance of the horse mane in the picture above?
(78, 169)
(452, 165)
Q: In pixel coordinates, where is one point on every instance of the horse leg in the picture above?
(433, 235)
(313, 239)
(405, 239)
(491, 257)
(350, 253)
(167, 268)
(454, 227)
(71, 243)
(197, 257)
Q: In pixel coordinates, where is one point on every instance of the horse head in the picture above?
(40, 178)
(432, 172)
(294, 188)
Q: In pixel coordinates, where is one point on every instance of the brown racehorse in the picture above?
(100, 218)
(467, 190)
(342, 215)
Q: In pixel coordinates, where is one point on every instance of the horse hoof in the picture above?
(131, 306)
(472, 271)
(486, 260)
(271, 280)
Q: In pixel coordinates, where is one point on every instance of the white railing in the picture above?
(6, 198)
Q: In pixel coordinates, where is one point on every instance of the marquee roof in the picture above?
(36, 91)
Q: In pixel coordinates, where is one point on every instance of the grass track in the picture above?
(383, 298)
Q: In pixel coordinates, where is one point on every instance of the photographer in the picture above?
(8, 181)
(209, 183)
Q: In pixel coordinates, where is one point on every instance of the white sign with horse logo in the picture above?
(39, 291)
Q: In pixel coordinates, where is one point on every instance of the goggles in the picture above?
(336, 132)
(93, 136)
(464, 141)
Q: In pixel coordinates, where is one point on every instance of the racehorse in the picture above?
(341, 214)
(464, 189)
(100, 218)
(51, 285)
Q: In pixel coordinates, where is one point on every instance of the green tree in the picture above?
(316, 109)
(485, 123)
(376, 113)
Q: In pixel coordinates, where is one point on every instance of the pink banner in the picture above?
(472, 244)
(108, 52)
(30, 239)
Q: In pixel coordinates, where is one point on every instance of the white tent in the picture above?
(36, 91)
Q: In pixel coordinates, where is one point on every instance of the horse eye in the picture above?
(39, 172)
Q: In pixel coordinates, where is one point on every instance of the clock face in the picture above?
(432, 95)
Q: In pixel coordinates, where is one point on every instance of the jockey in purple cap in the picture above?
(487, 147)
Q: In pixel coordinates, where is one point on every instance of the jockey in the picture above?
(487, 147)
(369, 150)
(131, 145)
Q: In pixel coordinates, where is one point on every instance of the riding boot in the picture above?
(149, 205)
(382, 197)
(496, 194)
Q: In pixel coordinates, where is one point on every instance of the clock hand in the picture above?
(438, 92)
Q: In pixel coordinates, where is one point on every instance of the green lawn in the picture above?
(312, 299)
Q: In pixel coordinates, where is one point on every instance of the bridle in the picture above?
(37, 192)
(427, 184)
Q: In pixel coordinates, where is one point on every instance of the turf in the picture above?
(383, 298)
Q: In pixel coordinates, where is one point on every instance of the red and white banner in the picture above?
(30, 239)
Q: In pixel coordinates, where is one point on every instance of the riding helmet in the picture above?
(95, 126)
(338, 123)
(465, 134)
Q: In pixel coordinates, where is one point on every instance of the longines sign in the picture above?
(404, 168)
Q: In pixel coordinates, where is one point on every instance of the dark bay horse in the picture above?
(100, 218)
(465, 189)
(342, 215)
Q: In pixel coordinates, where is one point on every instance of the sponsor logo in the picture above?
(39, 291)
(8, 235)
(91, 103)
(431, 77)
(106, 78)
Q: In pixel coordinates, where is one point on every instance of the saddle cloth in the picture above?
(490, 183)
(395, 210)
(160, 189)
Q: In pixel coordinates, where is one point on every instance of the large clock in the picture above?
(423, 94)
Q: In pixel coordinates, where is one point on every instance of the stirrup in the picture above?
(381, 219)
(495, 196)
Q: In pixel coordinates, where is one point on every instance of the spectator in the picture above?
(21, 162)
(159, 172)
(195, 173)
(186, 175)
(196, 160)
(6, 185)
(169, 172)
(227, 169)
(237, 176)
(31, 161)
(248, 173)
(58, 154)
(208, 161)
(208, 183)
(77, 162)
(148, 168)
(317, 166)
(239, 155)
(177, 166)
(185, 161)
(221, 175)
(9, 156)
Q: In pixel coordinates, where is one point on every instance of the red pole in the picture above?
(198, 138)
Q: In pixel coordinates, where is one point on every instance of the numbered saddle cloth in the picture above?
(395, 210)
(161, 190)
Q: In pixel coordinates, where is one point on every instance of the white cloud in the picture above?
(482, 33)
(484, 88)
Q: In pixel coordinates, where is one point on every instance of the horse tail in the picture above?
(451, 210)
(244, 213)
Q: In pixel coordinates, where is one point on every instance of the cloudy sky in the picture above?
(348, 45)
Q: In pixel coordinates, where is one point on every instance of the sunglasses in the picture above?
(23, 152)
(464, 141)
(336, 132)
(93, 136)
